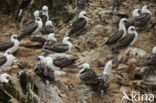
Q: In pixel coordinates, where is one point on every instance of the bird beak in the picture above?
(140, 11)
(71, 39)
(114, 60)
(35, 58)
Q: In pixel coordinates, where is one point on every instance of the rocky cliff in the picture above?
(27, 87)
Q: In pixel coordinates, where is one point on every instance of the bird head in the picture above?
(51, 36)
(131, 29)
(84, 15)
(14, 37)
(36, 13)
(124, 21)
(154, 50)
(49, 23)
(67, 39)
(45, 8)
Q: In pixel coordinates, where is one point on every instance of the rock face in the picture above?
(27, 87)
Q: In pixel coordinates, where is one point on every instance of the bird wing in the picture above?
(62, 62)
(49, 29)
(48, 44)
(125, 41)
(88, 74)
(3, 59)
(59, 48)
(5, 46)
(28, 30)
(131, 22)
(44, 18)
(115, 37)
(142, 20)
(77, 25)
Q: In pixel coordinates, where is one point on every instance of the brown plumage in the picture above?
(116, 4)
(151, 60)
(3, 59)
(5, 46)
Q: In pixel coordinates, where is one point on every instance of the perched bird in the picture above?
(44, 14)
(24, 4)
(151, 60)
(133, 20)
(81, 4)
(12, 46)
(118, 34)
(128, 40)
(60, 48)
(79, 23)
(87, 74)
(116, 4)
(44, 71)
(104, 78)
(49, 28)
(144, 18)
(50, 41)
(32, 28)
(6, 59)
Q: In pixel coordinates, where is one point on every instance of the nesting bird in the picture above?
(44, 14)
(13, 45)
(133, 20)
(104, 78)
(6, 59)
(32, 28)
(24, 4)
(151, 60)
(51, 40)
(49, 28)
(60, 48)
(118, 34)
(79, 24)
(116, 4)
(88, 75)
(128, 40)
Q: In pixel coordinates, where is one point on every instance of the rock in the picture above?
(133, 56)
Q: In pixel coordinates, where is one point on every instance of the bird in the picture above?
(131, 21)
(104, 78)
(51, 40)
(60, 48)
(88, 75)
(6, 59)
(79, 23)
(49, 28)
(151, 60)
(32, 28)
(116, 4)
(144, 18)
(118, 34)
(45, 72)
(44, 14)
(24, 4)
(128, 40)
(80, 4)
(12, 45)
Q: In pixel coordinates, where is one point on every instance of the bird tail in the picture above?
(20, 37)
(20, 12)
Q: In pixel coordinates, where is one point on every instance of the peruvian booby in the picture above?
(128, 40)
(13, 45)
(44, 71)
(144, 18)
(44, 14)
(32, 28)
(60, 48)
(49, 28)
(4, 78)
(51, 40)
(118, 34)
(133, 20)
(6, 59)
(87, 74)
(79, 23)
(24, 4)
(80, 4)
(151, 60)
(104, 78)
(116, 4)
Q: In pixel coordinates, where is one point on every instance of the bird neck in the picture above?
(108, 68)
(40, 24)
(122, 27)
(15, 41)
(69, 44)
